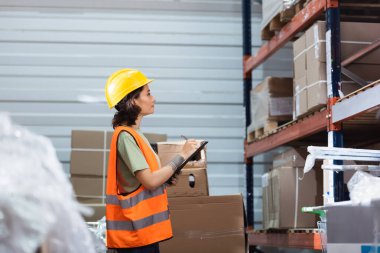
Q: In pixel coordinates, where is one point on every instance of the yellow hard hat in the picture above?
(123, 82)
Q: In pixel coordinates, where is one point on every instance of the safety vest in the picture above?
(141, 217)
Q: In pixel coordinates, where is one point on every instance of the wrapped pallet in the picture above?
(271, 102)
(272, 8)
(309, 52)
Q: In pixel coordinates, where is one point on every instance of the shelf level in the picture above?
(361, 101)
(299, 22)
(285, 240)
(296, 130)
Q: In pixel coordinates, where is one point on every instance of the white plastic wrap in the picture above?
(98, 231)
(271, 100)
(364, 187)
(36, 198)
(270, 9)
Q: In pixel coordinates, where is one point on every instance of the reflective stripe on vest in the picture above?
(131, 202)
(138, 224)
(141, 217)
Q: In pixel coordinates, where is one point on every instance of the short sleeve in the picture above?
(130, 153)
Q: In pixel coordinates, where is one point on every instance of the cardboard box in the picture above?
(300, 97)
(299, 54)
(84, 139)
(285, 195)
(89, 187)
(168, 150)
(206, 224)
(93, 163)
(316, 96)
(191, 182)
(92, 139)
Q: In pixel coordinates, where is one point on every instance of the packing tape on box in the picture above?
(296, 202)
(316, 38)
(298, 90)
(301, 53)
(316, 83)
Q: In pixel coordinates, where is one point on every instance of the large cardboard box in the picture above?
(87, 139)
(272, 99)
(90, 188)
(191, 182)
(86, 162)
(290, 194)
(206, 224)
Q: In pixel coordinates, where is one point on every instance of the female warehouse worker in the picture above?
(137, 214)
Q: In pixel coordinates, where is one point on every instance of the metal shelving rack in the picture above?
(330, 120)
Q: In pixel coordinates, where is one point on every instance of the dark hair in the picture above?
(127, 110)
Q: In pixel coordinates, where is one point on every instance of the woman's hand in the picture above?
(174, 181)
(189, 148)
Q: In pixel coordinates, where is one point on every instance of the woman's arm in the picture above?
(152, 180)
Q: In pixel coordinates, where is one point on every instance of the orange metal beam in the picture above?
(298, 23)
(302, 128)
(286, 240)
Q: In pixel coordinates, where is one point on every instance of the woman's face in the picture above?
(145, 101)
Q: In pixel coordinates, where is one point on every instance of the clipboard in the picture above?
(179, 168)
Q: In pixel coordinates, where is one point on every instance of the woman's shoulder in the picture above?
(126, 137)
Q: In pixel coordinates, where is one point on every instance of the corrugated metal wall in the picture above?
(55, 58)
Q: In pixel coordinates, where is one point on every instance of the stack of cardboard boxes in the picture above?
(192, 181)
(201, 223)
(88, 168)
(286, 190)
(310, 85)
